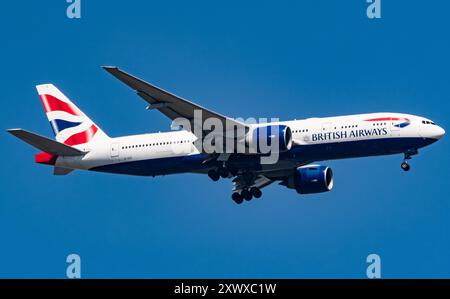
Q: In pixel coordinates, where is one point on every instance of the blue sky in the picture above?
(285, 59)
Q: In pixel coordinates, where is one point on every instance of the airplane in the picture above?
(81, 144)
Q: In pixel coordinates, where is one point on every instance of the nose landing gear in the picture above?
(405, 165)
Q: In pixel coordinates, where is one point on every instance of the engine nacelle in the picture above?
(274, 138)
(311, 179)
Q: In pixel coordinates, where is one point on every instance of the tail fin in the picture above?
(70, 125)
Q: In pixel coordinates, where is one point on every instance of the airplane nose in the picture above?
(440, 132)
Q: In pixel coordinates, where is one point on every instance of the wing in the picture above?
(167, 103)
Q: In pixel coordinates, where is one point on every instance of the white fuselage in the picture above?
(327, 138)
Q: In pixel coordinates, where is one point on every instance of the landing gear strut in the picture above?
(405, 165)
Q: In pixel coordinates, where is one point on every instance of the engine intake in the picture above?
(274, 138)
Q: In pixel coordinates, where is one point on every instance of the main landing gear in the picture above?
(216, 174)
(405, 165)
(247, 179)
(246, 194)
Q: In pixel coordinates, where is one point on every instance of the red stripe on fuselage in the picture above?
(53, 104)
(387, 118)
(82, 137)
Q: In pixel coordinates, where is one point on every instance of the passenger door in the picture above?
(395, 130)
(115, 150)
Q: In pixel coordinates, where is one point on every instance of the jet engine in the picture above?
(273, 138)
(310, 179)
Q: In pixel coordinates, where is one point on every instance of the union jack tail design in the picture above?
(70, 125)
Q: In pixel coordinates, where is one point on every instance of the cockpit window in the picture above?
(427, 122)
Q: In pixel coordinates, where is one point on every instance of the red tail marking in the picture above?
(82, 137)
(53, 104)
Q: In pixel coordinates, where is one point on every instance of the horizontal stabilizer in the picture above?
(45, 144)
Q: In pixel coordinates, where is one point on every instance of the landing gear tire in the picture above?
(246, 195)
(256, 192)
(223, 172)
(237, 198)
(405, 166)
(214, 175)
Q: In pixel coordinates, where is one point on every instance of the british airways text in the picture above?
(349, 134)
